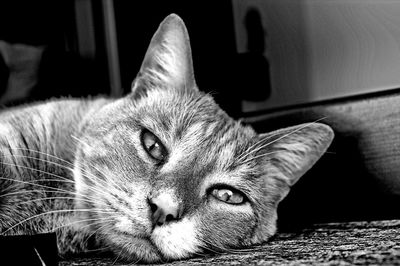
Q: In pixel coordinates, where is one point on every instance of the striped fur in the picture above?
(86, 156)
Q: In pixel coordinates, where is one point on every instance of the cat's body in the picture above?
(162, 173)
(37, 153)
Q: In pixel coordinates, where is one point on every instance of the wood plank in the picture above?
(359, 177)
(356, 243)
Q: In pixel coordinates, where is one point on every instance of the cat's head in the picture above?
(165, 173)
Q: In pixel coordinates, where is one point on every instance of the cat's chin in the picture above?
(134, 249)
(174, 241)
(177, 240)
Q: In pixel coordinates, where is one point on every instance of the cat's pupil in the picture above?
(156, 151)
(225, 196)
(153, 146)
(228, 196)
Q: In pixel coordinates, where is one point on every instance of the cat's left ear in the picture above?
(168, 60)
(294, 150)
(284, 156)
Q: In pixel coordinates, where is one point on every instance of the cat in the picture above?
(160, 174)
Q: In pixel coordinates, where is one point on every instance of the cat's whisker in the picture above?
(93, 222)
(241, 250)
(43, 153)
(62, 179)
(137, 261)
(296, 130)
(79, 140)
(27, 191)
(100, 188)
(259, 156)
(55, 212)
(212, 250)
(245, 153)
(39, 159)
(54, 189)
(283, 136)
(211, 247)
(261, 145)
(94, 232)
(101, 185)
(46, 187)
(111, 180)
(225, 250)
(54, 163)
(53, 198)
(87, 199)
(98, 249)
(51, 162)
(99, 191)
(255, 144)
(199, 254)
(83, 143)
(119, 255)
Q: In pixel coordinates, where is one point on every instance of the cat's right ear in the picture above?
(168, 60)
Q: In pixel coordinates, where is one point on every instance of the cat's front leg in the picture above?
(13, 191)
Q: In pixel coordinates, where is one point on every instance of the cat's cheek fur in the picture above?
(224, 226)
(275, 188)
(178, 239)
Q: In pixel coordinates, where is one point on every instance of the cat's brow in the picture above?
(176, 157)
(184, 149)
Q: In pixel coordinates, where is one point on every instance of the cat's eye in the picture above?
(228, 195)
(153, 146)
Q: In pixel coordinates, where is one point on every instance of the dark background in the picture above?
(64, 72)
(52, 24)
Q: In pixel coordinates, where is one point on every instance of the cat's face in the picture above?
(173, 175)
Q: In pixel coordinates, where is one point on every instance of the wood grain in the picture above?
(355, 243)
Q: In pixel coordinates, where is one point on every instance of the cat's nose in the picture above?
(164, 209)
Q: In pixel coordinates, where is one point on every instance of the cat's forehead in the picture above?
(185, 115)
(176, 105)
(193, 126)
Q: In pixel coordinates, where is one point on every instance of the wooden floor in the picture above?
(353, 243)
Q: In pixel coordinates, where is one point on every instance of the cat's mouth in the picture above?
(145, 249)
(137, 248)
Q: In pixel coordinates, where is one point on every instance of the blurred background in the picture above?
(253, 55)
(89, 47)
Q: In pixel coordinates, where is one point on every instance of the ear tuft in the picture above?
(168, 60)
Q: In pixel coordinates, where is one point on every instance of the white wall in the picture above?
(324, 49)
